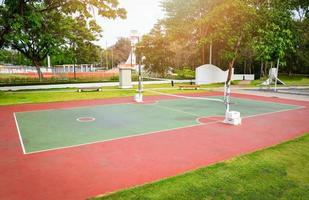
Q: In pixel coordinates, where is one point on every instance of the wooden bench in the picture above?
(189, 87)
(88, 89)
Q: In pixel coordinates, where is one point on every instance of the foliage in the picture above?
(155, 49)
(275, 35)
(13, 57)
(118, 53)
(38, 28)
(15, 80)
(182, 32)
(229, 27)
(185, 73)
(269, 31)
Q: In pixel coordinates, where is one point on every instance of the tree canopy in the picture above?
(248, 35)
(39, 28)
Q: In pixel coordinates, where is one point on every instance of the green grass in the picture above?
(56, 95)
(280, 172)
(293, 80)
(8, 76)
(69, 94)
(9, 98)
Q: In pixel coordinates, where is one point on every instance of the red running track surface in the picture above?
(86, 171)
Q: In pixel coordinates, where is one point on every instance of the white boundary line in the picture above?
(19, 135)
(149, 133)
(176, 110)
(187, 97)
(125, 137)
(151, 102)
(269, 113)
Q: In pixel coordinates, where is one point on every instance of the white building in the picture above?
(207, 74)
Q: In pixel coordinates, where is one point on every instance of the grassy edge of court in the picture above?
(46, 96)
(279, 172)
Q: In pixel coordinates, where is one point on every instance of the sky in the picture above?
(141, 16)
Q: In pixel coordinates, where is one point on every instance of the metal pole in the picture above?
(101, 52)
(139, 75)
(210, 53)
(74, 61)
(278, 62)
(132, 49)
(112, 57)
(74, 68)
(106, 57)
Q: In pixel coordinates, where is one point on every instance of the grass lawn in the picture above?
(293, 80)
(280, 172)
(54, 95)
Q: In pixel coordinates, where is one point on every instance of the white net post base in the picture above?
(138, 98)
(232, 118)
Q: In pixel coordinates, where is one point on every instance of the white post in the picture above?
(227, 93)
(277, 74)
(48, 61)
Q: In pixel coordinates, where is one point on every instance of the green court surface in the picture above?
(53, 129)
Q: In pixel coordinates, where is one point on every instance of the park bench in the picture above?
(189, 87)
(88, 89)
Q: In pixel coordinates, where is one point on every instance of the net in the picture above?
(188, 97)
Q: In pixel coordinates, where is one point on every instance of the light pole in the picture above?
(74, 61)
(139, 96)
(140, 89)
(106, 56)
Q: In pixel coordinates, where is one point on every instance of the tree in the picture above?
(155, 48)
(230, 22)
(276, 36)
(120, 50)
(184, 30)
(13, 57)
(38, 28)
(273, 29)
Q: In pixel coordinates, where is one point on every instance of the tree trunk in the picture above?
(265, 68)
(290, 67)
(232, 62)
(38, 69)
(262, 69)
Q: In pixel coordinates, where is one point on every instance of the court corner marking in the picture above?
(19, 135)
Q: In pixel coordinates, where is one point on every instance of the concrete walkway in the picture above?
(282, 93)
(82, 85)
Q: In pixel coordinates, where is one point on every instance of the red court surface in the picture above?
(86, 171)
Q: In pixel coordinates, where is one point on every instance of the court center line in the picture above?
(176, 110)
(187, 97)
